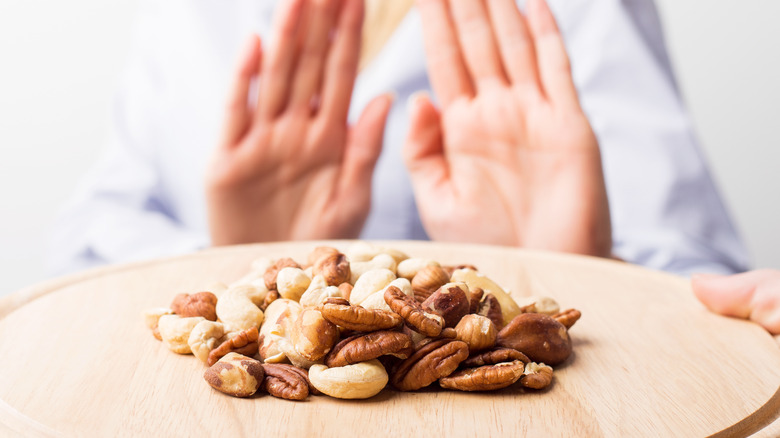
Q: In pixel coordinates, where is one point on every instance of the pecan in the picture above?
(272, 271)
(285, 381)
(411, 312)
(474, 300)
(358, 318)
(433, 361)
(568, 317)
(536, 376)
(484, 378)
(334, 268)
(538, 336)
(491, 309)
(362, 348)
(450, 301)
(200, 304)
(235, 375)
(244, 342)
(427, 281)
(493, 357)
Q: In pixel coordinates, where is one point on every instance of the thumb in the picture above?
(424, 149)
(726, 295)
(365, 142)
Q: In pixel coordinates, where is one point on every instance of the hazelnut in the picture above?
(477, 332)
(428, 280)
(334, 268)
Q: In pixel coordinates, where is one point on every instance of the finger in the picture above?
(238, 113)
(278, 68)
(342, 63)
(479, 47)
(365, 143)
(554, 67)
(726, 295)
(448, 74)
(514, 42)
(424, 149)
(320, 22)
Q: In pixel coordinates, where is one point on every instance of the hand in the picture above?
(290, 167)
(510, 157)
(753, 295)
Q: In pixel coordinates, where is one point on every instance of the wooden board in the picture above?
(648, 361)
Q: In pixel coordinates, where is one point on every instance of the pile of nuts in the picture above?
(348, 323)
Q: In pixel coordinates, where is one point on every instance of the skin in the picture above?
(509, 158)
(753, 295)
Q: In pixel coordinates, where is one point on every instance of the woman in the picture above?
(505, 155)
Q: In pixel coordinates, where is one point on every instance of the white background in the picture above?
(60, 62)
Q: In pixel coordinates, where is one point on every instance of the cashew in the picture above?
(292, 283)
(361, 380)
(237, 308)
(357, 269)
(175, 332)
(377, 299)
(315, 297)
(152, 317)
(364, 251)
(409, 267)
(206, 336)
(369, 283)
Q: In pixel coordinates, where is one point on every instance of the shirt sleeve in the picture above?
(666, 211)
(119, 212)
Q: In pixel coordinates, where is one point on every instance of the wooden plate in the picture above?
(648, 361)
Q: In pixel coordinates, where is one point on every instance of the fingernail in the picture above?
(413, 99)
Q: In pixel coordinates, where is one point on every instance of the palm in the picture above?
(510, 163)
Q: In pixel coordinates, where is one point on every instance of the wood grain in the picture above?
(649, 360)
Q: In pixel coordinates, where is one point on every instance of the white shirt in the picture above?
(146, 196)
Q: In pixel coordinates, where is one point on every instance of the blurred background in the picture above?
(60, 63)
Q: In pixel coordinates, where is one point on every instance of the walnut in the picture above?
(235, 375)
(433, 361)
(269, 277)
(538, 336)
(334, 268)
(360, 348)
(359, 319)
(568, 317)
(428, 280)
(477, 332)
(285, 381)
(536, 376)
(484, 378)
(245, 342)
(200, 304)
(450, 301)
(411, 312)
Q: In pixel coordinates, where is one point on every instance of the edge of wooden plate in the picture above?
(14, 421)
